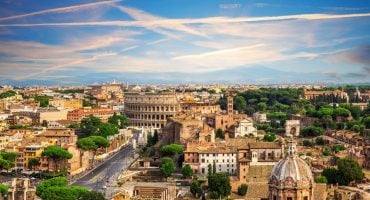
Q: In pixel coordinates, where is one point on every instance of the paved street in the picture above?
(104, 177)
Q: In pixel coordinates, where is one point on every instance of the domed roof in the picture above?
(291, 170)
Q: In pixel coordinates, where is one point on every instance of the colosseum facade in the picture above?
(151, 109)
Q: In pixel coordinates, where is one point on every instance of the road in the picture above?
(104, 177)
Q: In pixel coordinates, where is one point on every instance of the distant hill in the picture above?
(240, 75)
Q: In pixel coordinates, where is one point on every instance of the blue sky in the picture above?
(67, 40)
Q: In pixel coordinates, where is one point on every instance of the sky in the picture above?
(76, 42)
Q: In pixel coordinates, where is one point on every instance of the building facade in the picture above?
(150, 109)
(102, 113)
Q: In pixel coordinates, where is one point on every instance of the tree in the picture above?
(350, 170)
(92, 195)
(3, 189)
(209, 170)
(214, 168)
(7, 94)
(171, 149)
(10, 156)
(337, 147)
(7, 160)
(355, 112)
(107, 129)
(92, 143)
(219, 183)
(308, 143)
(220, 134)
(240, 104)
(262, 107)
(320, 141)
(366, 121)
(33, 162)
(242, 189)
(167, 167)
(341, 112)
(90, 125)
(312, 131)
(43, 100)
(149, 140)
(321, 179)
(119, 121)
(86, 103)
(187, 172)
(57, 154)
(58, 189)
(195, 189)
(326, 152)
(155, 136)
(44, 123)
(269, 137)
(331, 175)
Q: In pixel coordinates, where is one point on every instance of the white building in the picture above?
(259, 117)
(224, 159)
(245, 128)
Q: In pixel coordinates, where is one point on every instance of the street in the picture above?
(104, 177)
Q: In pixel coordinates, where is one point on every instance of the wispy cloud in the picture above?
(176, 24)
(59, 10)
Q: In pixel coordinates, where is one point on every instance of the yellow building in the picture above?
(66, 103)
(31, 151)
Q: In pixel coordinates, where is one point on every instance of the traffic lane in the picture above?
(110, 162)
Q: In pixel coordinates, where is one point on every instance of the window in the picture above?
(274, 198)
(202, 170)
(289, 198)
(203, 160)
(305, 198)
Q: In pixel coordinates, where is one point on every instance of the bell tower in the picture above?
(230, 105)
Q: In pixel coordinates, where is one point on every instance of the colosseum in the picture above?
(151, 109)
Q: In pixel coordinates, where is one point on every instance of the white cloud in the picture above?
(59, 10)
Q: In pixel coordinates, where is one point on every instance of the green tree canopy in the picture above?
(262, 107)
(312, 131)
(240, 104)
(219, 133)
(242, 189)
(3, 189)
(195, 189)
(187, 172)
(341, 112)
(321, 179)
(107, 129)
(92, 195)
(350, 170)
(58, 189)
(172, 149)
(10, 156)
(167, 167)
(120, 121)
(43, 100)
(219, 183)
(57, 154)
(33, 162)
(90, 125)
(6, 94)
(269, 137)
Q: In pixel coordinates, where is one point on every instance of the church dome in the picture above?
(291, 171)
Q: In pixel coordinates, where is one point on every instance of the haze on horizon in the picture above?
(72, 42)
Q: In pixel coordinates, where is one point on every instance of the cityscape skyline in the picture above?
(82, 42)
